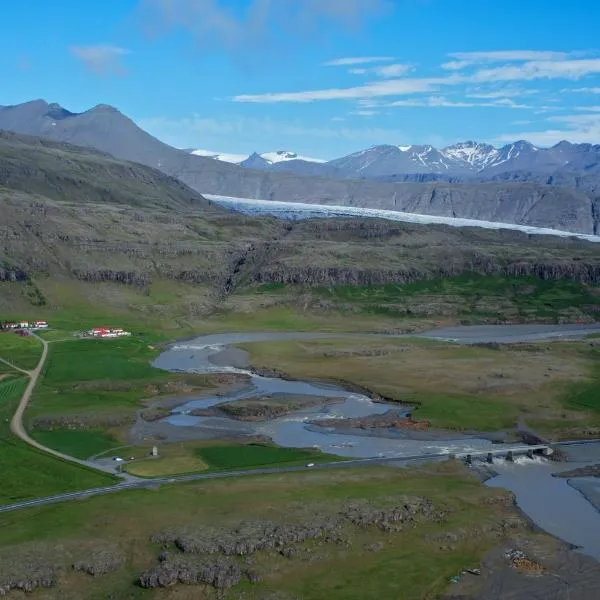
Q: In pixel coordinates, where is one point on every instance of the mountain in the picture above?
(64, 172)
(234, 159)
(567, 164)
(526, 201)
(388, 160)
(255, 160)
(467, 160)
(103, 238)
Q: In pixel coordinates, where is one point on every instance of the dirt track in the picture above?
(16, 424)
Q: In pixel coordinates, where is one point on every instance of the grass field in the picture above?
(455, 387)
(92, 389)
(216, 455)
(23, 352)
(80, 444)
(28, 473)
(586, 395)
(405, 564)
(251, 456)
(90, 360)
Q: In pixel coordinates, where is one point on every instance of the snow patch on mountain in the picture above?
(236, 159)
(472, 154)
(285, 155)
(270, 158)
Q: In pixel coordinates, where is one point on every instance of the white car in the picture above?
(118, 459)
(310, 465)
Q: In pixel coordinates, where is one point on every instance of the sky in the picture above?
(323, 78)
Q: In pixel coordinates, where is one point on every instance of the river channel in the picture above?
(217, 353)
(557, 505)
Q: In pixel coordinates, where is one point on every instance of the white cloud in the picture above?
(588, 90)
(364, 113)
(442, 102)
(392, 87)
(103, 60)
(469, 58)
(456, 65)
(576, 128)
(357, 60)
(527, 71)
(395, 70)
(386, 71)
(504, 92)
(544, 69)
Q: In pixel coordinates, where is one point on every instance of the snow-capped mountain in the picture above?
(471, 155)
(255, 160)
(463, 159)
(235, 159)
(565, 164)
(380, 161)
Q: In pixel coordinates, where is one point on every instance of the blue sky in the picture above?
(321, 77)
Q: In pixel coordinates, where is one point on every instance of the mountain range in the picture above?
(557, 187)
(463, 161)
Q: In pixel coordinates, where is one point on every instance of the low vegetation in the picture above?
(318, 534)
(92, 390)
(253, 456)
(475, 298)
(468, 388)
(29, 473)
(21, 351)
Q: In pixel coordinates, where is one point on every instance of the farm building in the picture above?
(24, 325)
(108, 332)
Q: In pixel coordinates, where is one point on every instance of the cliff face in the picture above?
(129, 247)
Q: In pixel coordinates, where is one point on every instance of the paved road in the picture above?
(154, 482)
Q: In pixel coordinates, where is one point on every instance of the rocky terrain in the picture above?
(201, 554)
(108, 231)
(535, 199)
(590, 471)
(264, 408)
(393, 419)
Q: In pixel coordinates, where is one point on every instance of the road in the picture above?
(140, 484)
(468, 335)
(16, 424)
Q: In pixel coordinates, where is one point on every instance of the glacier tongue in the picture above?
(298, 210)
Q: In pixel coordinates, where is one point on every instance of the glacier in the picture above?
(300, 210)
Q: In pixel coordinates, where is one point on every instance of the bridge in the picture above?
(508, 452)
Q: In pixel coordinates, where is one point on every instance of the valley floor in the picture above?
(94, 392)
